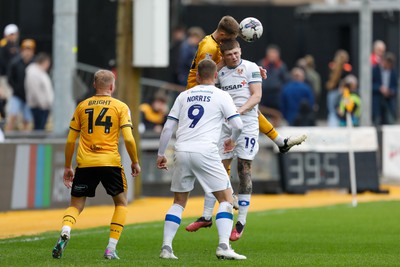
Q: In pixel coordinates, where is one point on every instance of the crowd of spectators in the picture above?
(293, 97)
(296, 97)
(26, 91)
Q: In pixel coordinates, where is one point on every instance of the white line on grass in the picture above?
(77, 233)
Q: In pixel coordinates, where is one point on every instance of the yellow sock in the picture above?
(266, 127)
(228, 170)
(70, 216)
(118, 221)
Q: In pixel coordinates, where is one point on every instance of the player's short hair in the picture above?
(228, 25)
(103, 79)
(228, 45)
(207, 69)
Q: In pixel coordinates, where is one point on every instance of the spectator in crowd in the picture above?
(39, 90)
(8, 49)
(277, 77)
(379, 49)
(339, 68)
(1, 136)
(16, 79)
(178, 35)
(187, 52)
(312, 76)
(153, 115)
(384, 91)
(349, 101)
(296, 93)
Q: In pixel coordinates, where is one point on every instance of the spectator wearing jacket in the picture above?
(39, 90)
(384, 91)
(16, 79)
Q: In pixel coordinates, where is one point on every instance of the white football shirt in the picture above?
(236, 82)
(200, 112)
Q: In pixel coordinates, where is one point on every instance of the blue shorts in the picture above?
(17, 106)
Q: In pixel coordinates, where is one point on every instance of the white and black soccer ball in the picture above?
(251, 29)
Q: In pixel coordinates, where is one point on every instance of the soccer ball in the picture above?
(251, 29)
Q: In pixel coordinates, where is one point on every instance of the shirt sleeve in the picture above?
(125, 117)
(228, 107)
(253, 73)
(75, 123)
(176, 109)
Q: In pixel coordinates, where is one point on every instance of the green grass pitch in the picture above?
(339, 235)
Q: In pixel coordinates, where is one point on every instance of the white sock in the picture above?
(279, 140)
(209, 203)
(244, 203)
(66, 230)
(112, 243)
(224, 222)
(171, 223)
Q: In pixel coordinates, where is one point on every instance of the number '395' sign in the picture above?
(323, 160)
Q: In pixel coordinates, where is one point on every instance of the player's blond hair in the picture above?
(228, 25)
(206, 69)
(103, 79)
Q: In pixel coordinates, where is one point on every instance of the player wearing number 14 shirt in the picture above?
(97, 122)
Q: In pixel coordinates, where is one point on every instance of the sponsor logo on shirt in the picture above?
(232, 87)
(256, 74)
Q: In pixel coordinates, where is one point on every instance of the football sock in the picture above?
(228, 171)
(279, 140)
(209, 203)
(70, 216)
(66, 230)
(266, 127)
(171, 223)
(224, 221)
(244, 203)
(112, 243)
(118, 221)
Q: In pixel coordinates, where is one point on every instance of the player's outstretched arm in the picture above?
(130, 145)
(237, 127)
(263, 72)
(166, 135)
(253, 100)
(69, 152)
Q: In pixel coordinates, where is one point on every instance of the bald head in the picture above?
(104, 80)
(379, 47)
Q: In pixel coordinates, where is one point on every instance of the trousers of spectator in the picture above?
(331, 101)
(39, 118)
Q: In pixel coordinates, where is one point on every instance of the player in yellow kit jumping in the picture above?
(98, 121)
(228, 28)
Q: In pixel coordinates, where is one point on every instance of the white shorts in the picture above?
(207, 168)
(247, 143)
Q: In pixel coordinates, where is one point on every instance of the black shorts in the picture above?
(86, 181)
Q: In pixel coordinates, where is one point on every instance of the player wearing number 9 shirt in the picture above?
(199, 113)
(98, 121)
